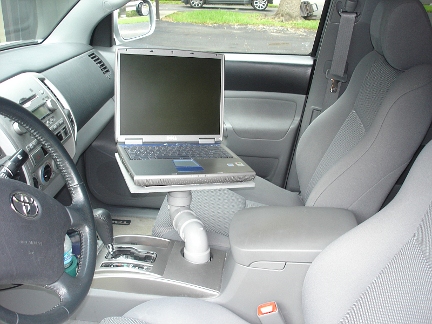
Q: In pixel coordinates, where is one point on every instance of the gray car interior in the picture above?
(379, 269)
(315, 235)
(378, 272)
(353, 153)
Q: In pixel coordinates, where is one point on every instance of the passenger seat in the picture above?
(352, 154)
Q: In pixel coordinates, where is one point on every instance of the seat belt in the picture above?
(336, 74)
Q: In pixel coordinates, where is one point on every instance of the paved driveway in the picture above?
(225, 38)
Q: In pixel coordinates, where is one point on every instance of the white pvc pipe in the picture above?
(189, 227)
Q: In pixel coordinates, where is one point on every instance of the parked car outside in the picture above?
(256, 4)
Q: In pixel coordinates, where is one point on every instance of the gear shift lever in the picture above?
(104, 227)
(126, 255)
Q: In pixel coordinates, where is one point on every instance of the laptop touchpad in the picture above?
(187, 166)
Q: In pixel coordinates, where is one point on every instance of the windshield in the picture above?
(30, 21)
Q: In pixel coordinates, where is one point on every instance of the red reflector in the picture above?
(267, 308)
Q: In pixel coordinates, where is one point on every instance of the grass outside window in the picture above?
(223, 17)
(132, 20)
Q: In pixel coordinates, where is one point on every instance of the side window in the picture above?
(28, 21)
(428, 6)
(229, 26)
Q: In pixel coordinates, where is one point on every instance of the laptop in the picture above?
(172, 101)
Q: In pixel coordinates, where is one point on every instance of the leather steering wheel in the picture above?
(31, 242)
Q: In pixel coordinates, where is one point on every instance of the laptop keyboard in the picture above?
(176, 151)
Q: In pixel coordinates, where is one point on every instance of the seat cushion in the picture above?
(381, 271)
(178, 310)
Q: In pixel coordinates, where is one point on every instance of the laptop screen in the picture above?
(166, 95)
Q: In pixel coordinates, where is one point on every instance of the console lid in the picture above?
(286, 234)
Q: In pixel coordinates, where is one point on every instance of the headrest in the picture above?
(402, 33)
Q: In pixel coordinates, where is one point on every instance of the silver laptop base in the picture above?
(133, 188)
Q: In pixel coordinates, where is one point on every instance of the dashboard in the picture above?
(71, 94)
(35, 93)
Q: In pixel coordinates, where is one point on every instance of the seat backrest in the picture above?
(381, 271)
(353, 153)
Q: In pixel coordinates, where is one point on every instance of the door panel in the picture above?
(260, 115)
(241, 2)
(268, 73)
(265, 96)
(261, 128)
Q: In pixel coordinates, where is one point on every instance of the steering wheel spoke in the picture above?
(79, 213)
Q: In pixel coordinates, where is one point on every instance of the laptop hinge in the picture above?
(135, 141)
(206, 141)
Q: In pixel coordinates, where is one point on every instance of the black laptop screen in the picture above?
(169, 95)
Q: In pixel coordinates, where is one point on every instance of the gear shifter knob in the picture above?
(104, 227)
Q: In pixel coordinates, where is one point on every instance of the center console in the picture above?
(154, 266)
(271, 251)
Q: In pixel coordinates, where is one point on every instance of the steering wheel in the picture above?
(33, 226)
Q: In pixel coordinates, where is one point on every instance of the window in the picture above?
(28, 21)
(428, 6)
(229, 26)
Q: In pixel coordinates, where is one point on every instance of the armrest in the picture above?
(286, 234)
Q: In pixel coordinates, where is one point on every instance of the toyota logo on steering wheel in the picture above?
(24, 204)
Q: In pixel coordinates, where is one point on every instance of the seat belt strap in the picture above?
(336, 73)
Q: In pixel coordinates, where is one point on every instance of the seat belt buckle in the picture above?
(335, 80)
(334, 85)
(268, 313)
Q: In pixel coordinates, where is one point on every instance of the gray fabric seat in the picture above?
(379, 272)
(353, 153)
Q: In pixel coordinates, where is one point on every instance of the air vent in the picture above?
(102, 66)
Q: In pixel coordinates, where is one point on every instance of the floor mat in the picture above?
(124, 225)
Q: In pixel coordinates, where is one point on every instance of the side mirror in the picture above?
(132, 21)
